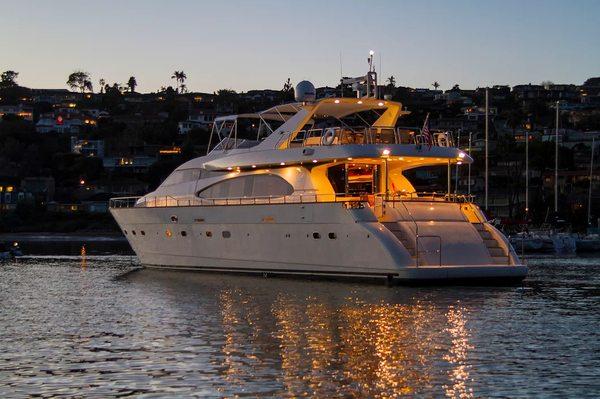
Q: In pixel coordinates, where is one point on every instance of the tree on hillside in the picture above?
(132, 83)
(102, 83)
(80, 80)
(180, 77)
(435, 85)
(287, 93)
(8, 79)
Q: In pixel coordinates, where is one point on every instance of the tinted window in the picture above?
(249, 186)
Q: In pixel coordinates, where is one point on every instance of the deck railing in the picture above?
(349, 201)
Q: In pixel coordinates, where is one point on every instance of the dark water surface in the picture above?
(94, 330)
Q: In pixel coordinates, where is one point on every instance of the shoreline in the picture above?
(62, 237)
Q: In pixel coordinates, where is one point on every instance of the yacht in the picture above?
(320, 190)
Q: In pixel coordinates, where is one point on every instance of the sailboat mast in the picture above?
(590, 190)
(526, 175)
(556, 163)
(487, 116)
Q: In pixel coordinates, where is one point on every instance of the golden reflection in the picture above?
(457, 354)
(322, 347)
(83, 253)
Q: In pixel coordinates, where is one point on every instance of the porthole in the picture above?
(133, 232)
(183, 233)
(332, 236)
(316, 236)
(209, 233)
(125, 231)
(143, 232)
(174, 218)
(226, 234)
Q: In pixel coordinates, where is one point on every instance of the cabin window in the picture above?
(133, 232)
(183, 233)
(182, 176)
(316, 236)
(332, 236)
(209, 233)
(125, 231)
(248, 186)
(226, 234)
(143, 232)
(174, 218)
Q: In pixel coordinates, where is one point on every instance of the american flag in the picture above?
(426, 133)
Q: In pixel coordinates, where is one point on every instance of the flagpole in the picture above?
(486, 146)
(457, 165)
(470, 133)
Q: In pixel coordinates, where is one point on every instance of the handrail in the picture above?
(416, 232)
(429, 196)
(169, 201)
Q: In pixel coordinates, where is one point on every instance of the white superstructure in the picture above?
(319, 190)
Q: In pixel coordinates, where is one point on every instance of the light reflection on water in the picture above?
(96, 330)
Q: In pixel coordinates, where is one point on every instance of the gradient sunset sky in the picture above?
(245, 45)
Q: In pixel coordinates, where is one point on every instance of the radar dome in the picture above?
(305, 92)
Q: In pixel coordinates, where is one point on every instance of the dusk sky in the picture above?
(245, 45)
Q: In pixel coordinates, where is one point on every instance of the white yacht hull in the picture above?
(325, 239)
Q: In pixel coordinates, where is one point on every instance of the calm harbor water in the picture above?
(96, 329)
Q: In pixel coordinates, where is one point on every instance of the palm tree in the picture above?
(132, 83)
(180, 77)
(391, 81)
(102, 83)
(435, 85)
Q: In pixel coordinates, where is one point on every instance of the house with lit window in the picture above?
(88, 148)
(198, 121)
(19, 110)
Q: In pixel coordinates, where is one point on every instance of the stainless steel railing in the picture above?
(367, 135)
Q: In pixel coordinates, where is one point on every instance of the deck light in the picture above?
(229, 168)
(461, 154)
(359, 102)
(349, 158)
(282, 164)
(380, 104)
(459, 163)
(337, 101)
(386, 152)
(314, 161)
(253, 166)
(371, 52)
